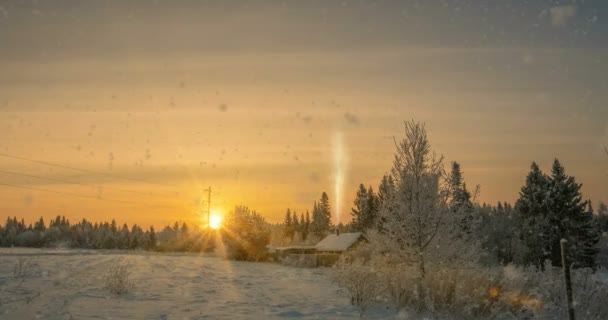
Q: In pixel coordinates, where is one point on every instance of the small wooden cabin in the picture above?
(325, 253)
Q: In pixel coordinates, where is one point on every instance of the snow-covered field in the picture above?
(69, 284)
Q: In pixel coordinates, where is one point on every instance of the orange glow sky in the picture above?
(247, 98)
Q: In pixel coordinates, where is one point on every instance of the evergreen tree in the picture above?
(460, 202)
(39, 226)
(321, 216)
(123, 237)
(152, 239)
(386, 190)
(288, 225)
(306, 226)
(365, 210)
(296, 224)
(602, 216)
(359, 211)
(535, 228)
(570, 219)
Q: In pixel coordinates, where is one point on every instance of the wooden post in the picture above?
(567, 279)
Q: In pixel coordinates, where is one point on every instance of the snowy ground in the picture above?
(69, 284)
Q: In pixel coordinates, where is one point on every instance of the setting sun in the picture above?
(215, 220)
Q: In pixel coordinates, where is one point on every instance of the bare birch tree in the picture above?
(416, 219)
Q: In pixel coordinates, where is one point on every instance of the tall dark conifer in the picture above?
(460, 202)
(535, 228)
(570, 219)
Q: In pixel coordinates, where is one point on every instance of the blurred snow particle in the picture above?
(3, 12)
(527, 58)
(223, 107)
(307, 119)
(559, 15)
(351, 118)
(28, 199)
(314, 177)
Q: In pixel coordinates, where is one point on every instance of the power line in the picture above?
(84, 170)
(75, 182)
(77, 195)
(59, 192)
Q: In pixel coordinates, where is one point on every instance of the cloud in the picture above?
(560, 15)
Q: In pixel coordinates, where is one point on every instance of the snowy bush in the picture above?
(359, 280)
(21, 268)
(117, 279)
(474, 292)
(245, 235)
(589, 291)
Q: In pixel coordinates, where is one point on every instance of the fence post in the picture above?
(567, 279)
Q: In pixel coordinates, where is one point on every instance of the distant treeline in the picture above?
(550, 207)
(107, 235)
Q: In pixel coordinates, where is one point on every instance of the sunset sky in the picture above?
(251, 98)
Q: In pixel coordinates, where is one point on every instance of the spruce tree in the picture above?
(360, 210)
(288, 231)
(570, 219)
(602, 217)
(306, 227)
(325, 212)
(296, 225)
(372, 207)
(365, 209)
(535, 229)
(315, 226)
(39, 226)
(460, 202)
(386, 188)
(321, 216)
(152, 239)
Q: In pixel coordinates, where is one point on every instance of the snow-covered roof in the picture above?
(273, 248)
(340, 242)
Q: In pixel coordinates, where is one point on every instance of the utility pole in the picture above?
(208, 206)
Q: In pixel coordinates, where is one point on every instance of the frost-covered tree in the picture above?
(416, 217)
